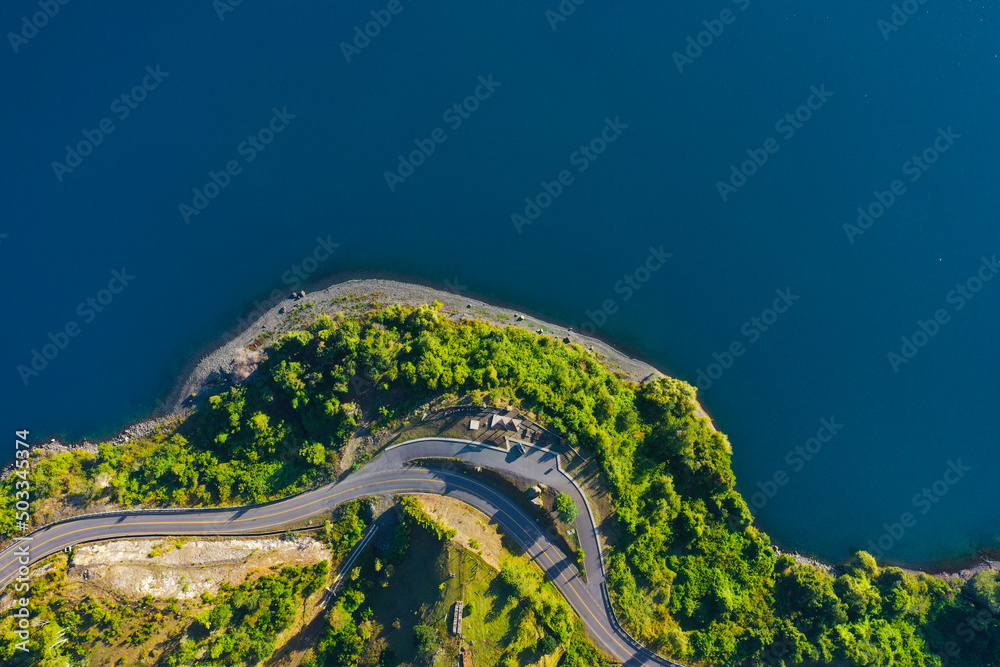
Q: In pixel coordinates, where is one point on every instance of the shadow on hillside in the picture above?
(307, 637)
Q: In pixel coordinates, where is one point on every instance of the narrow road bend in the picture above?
(391, 472)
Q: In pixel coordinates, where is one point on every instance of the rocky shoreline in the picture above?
(352, 295)
(227, 359)
(358, 294)
(231, 362)
(964, 572)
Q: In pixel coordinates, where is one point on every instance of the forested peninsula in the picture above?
(688, 572)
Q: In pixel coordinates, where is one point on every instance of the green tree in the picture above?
(566, 508)
(984, 587)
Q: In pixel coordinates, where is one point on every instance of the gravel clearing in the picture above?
(188, 570)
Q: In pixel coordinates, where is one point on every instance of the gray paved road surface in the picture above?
(390, 473)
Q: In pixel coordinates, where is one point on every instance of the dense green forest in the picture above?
(690, 575)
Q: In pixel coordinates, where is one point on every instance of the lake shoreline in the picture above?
(359, 290)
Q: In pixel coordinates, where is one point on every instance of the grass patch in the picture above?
(421, 590)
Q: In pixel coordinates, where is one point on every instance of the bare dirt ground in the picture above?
(471, 525)
(359, 443)
(185, 570)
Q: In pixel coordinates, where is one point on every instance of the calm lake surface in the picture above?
(741, 153)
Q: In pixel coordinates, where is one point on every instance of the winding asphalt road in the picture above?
(389, 473)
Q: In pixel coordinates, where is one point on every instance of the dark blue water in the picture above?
(607, 66)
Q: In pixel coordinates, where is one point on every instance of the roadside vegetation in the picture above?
(397, 608)
(690, 575)
(235, 628)
(244, 623)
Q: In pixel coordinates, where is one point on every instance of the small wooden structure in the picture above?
(508, 422)
(456, 623)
